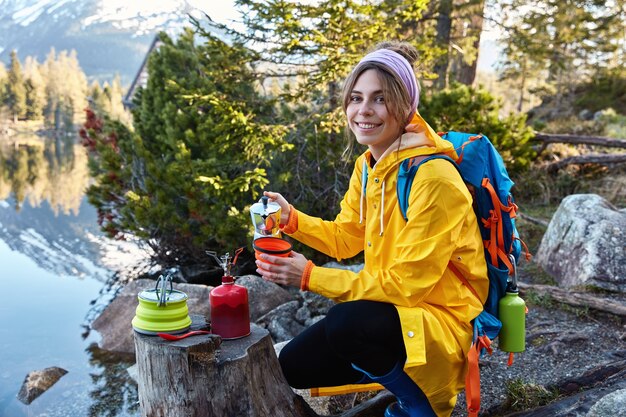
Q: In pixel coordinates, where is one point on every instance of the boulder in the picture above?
(114, 323)
(263, 295)
(317, 305)
(281, 323)
(38, 382)
(612, 404)
(585, 244)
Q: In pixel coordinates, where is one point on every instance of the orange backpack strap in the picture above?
(472, 378)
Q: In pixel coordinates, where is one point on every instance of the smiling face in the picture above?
(368, 115)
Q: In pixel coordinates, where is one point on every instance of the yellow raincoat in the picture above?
(406, 262)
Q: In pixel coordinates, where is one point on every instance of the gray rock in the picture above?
(303, 314)
(114, 323)
(613, 404)
(287, 309)
(38, 382)
(281, 322)
(316, 304)
(283, 328)
(585, 114)
(585, 244)
(133, 372)
(263, 296)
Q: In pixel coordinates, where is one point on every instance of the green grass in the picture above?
(526, 395)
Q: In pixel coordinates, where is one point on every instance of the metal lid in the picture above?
(155, 294)
(264, 207)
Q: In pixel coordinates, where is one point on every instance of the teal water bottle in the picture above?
(512, 312)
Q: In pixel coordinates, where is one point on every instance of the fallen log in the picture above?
(205, 376)
(580, 140)
(533, 220)
(576, 299)
(602, 159)
(591, 377)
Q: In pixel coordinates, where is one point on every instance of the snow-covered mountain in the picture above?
(110, 36)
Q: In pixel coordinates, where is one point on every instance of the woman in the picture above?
(404, 320)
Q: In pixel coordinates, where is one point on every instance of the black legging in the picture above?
(366, 333)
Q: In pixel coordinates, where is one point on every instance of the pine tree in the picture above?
(54, 97)
(35, 89)
(116, 97)
(184, 177)
(98, 101)
(16, 90)
(3, 85)
(66, 90)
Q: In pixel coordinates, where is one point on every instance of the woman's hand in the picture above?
(283, 271)
(285, 208)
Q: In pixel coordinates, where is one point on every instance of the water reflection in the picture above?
(114, 392)
(50, 170)
(44, 214)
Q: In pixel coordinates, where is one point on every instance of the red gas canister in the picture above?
(230, 313)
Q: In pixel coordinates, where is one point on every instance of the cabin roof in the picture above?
(141, 78)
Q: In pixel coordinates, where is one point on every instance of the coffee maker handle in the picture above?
(163, 295)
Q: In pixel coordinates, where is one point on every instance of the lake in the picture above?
(57, 274)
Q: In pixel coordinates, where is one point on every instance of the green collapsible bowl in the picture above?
(161, 310)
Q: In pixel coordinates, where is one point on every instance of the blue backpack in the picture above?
(483, 171)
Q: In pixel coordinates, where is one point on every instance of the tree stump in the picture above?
(205, 376)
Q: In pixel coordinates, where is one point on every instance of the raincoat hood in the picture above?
(420, 139)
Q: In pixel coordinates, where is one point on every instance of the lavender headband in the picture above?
(399, 65)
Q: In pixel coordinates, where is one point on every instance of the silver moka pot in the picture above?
(265, 218)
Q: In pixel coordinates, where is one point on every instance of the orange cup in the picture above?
(274, 246)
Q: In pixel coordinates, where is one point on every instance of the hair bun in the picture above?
(405, 49)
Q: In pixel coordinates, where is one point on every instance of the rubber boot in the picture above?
(412, 402)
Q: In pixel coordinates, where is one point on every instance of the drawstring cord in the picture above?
(363, 185)
(382, 209)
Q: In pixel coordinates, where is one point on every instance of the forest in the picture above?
(227, 113)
